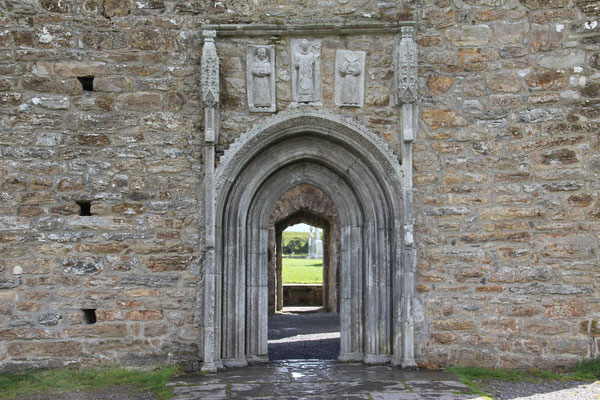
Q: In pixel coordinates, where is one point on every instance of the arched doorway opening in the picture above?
(356, 169)
(303, 321)
(304, 204)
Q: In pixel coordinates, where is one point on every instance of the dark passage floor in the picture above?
(304, 335)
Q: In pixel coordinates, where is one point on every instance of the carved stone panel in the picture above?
(260, 78)
(349, 78)
(306, 70)
(406, 81)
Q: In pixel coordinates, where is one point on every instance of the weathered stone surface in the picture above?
(437, 119)
(548, 80)
(505, 164)
(562, 59)
(541, 115)
(537, 289)
(116, 8)
(510, 32)
(470, 35)
(439, 84)
(83, 265)
(546, 37)
(504, 81)
(49, 319)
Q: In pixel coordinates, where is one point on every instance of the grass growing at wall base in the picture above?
(587, 370)
(298, 270)
(68, 380)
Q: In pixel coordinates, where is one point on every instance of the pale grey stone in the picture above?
(542, 114)
(49, 319)
(51, 102)
(306, 70)
(150, 280)
(472, 106)
(537, 289)
(562, 59)
(349, 78)
(260, 78)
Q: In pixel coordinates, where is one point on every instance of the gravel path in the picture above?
(543, 390)
(304, 336)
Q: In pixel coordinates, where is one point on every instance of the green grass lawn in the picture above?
(68, 380)
(299, 270)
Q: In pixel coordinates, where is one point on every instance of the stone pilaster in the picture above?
(406, 95)
(210, 100)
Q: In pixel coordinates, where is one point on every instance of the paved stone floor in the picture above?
(321, 379)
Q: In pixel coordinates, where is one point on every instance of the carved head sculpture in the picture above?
(351, 57)
(304, 46)
(261, 54)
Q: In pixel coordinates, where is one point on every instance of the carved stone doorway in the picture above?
(356, 169)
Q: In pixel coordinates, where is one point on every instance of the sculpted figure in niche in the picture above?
(349, 78)
(307, 75)
(260, 78)
(261, 72)
(350, 72)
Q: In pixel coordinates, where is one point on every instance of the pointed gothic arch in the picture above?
(356, 169)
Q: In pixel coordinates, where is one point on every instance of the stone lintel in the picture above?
(363, 28)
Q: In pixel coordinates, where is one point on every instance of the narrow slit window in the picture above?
(85, 208)
(87, 82)
(89, 315)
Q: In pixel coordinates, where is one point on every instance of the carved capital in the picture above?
(210, 70)
(407, 86)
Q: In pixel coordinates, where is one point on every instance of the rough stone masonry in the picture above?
(102, 113)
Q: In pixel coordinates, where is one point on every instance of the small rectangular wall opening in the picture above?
(89, 315)
(87, 83)
(85, 207)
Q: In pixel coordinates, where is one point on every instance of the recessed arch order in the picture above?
(362, 176)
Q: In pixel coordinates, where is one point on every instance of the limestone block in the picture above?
(349, 78)
(546, 37)
(510, 32)
(49, 319)
(75, 69)
(470, 35)
(562, 59)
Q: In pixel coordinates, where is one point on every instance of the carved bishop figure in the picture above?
(306, 70)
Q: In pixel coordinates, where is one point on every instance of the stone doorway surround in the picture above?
(356, 169)
(372, 192)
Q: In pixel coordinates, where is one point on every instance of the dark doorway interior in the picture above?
(304, 335)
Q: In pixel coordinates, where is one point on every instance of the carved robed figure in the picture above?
(306, 74)
(260, 77)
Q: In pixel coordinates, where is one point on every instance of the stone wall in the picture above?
(506, 171)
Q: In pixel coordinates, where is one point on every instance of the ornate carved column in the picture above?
(406, 95)
(210, 100)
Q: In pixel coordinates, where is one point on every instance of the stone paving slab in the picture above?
(320, 379)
